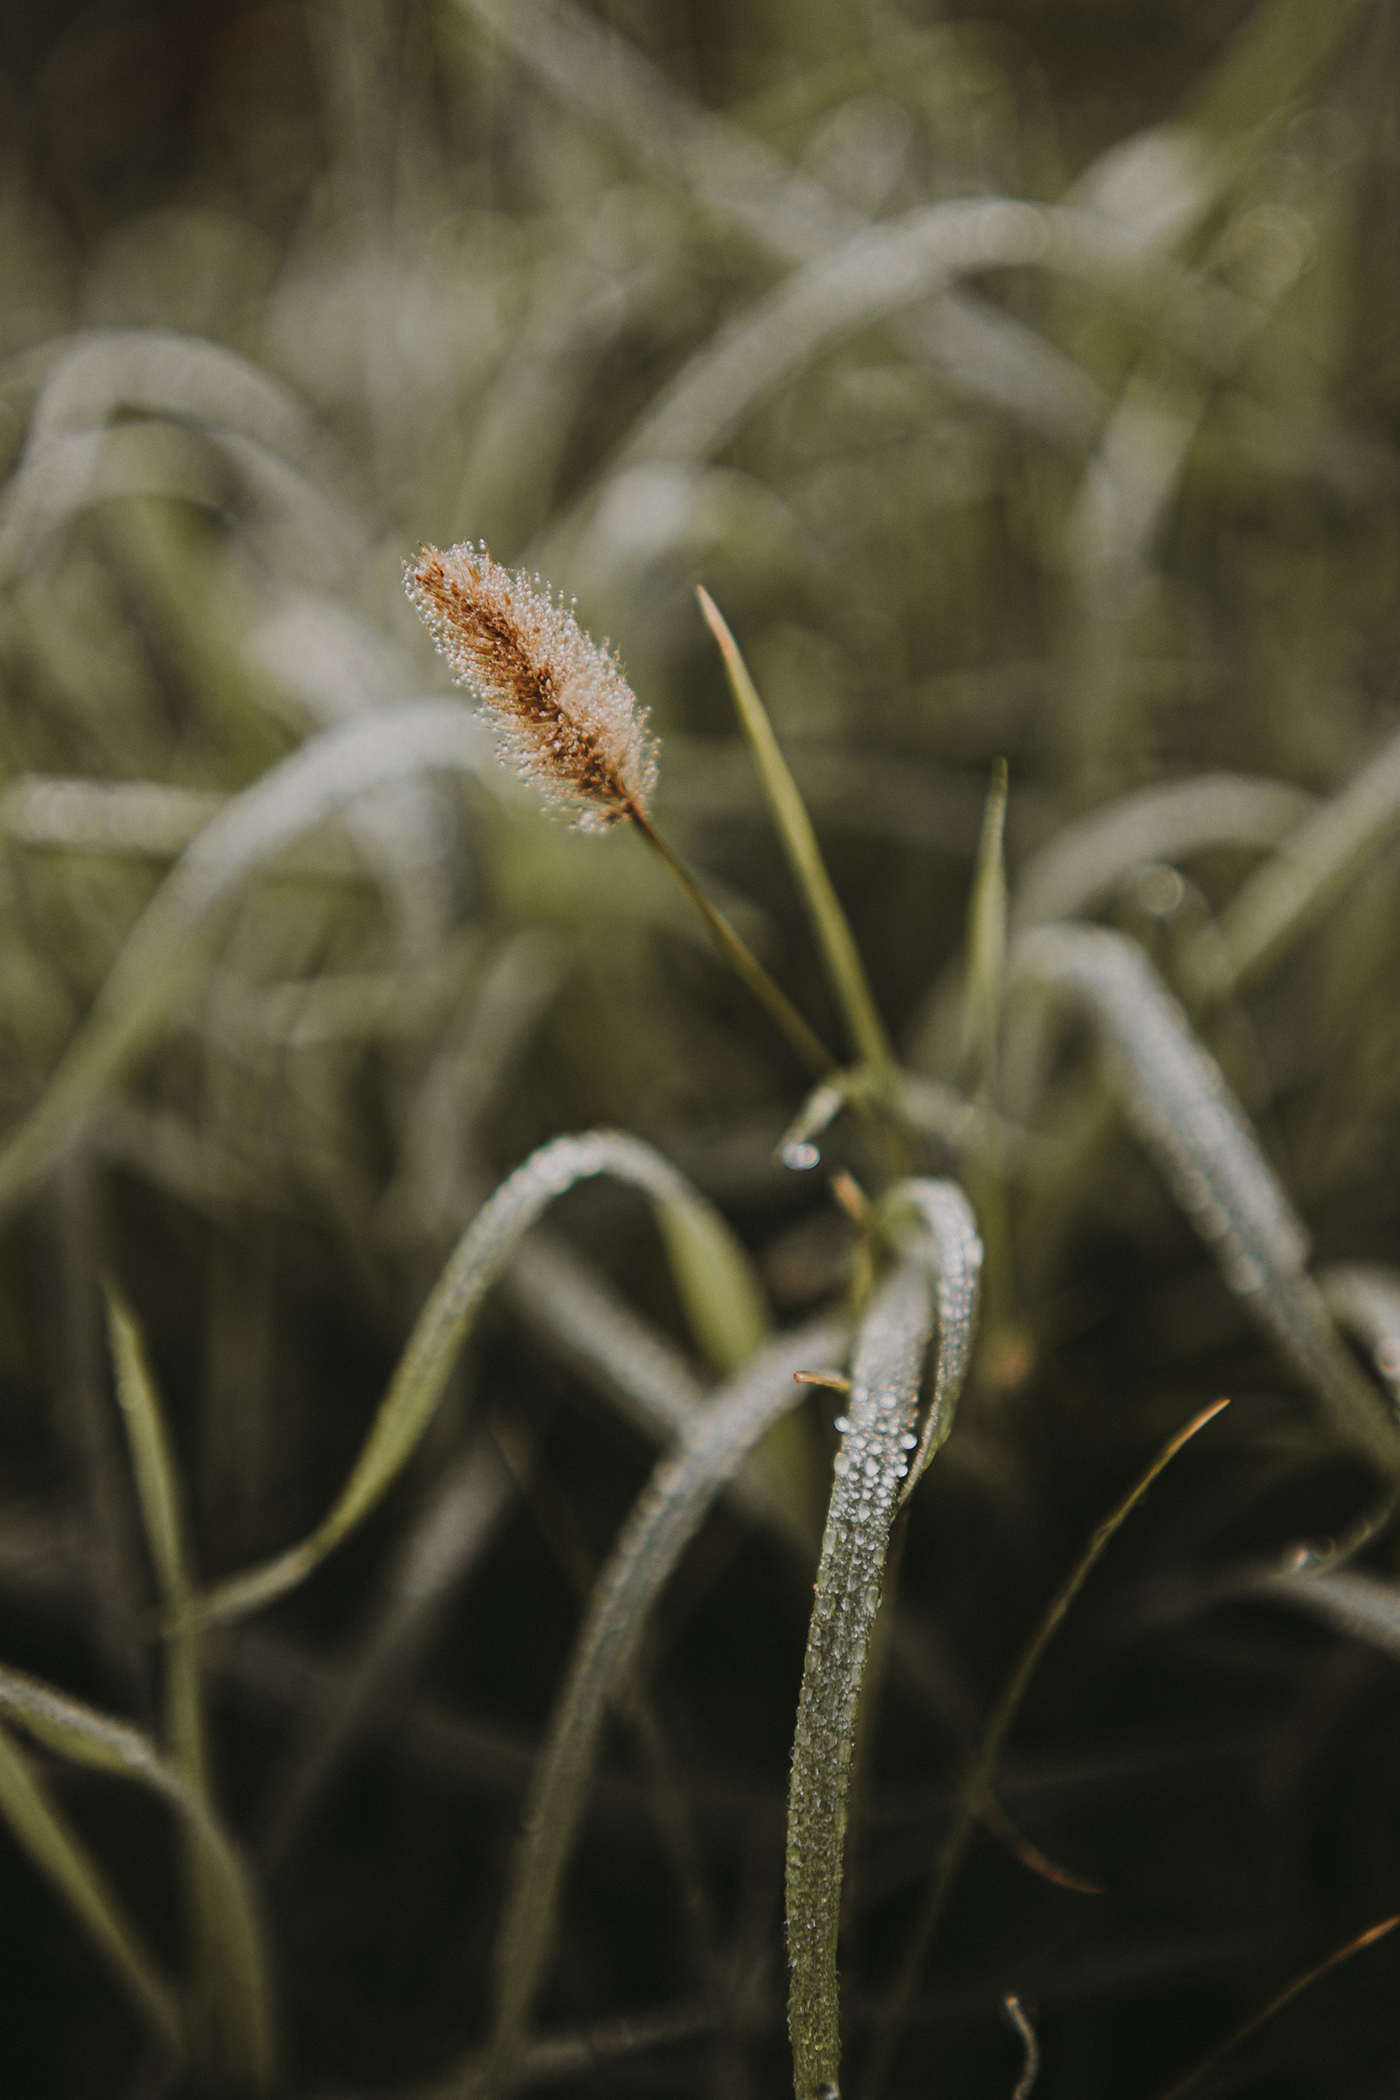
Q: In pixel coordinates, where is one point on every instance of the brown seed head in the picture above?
(566, 717)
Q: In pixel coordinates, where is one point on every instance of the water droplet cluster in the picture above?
(1188, 1120)
(878, 1431)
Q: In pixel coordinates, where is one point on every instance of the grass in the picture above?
(412, 1679)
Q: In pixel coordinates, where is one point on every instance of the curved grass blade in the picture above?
(116, 387)
(1364, 1299)
(957, 1250)
(978, 1784)
(160, 373)
(455, 1527)
(1294, 889)
(167, 941)
(576, 1310)
(95, 1739)
(715, 1278)
(561, 1295)
(44, 1833)
(1189, 1122)
(875, 274)
(712, 1262)
(293, 523)
(679, 1494)
(239, 2029)
(1361, 1606)
(1082, 866)
(780, 209)
(794, 827)
(880, 1433)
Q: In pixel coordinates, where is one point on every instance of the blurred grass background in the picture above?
(1112, 494)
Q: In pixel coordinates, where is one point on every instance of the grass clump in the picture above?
(552, 1639)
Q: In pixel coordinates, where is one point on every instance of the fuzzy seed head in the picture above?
(566, 717)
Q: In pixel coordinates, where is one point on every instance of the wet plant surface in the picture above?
(445, 1646)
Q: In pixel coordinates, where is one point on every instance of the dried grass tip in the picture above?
(566, 717)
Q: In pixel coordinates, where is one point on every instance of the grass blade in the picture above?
(1363, 1298)
(776, 207)
(1189, 1122)
(1362, 1607)
(952, 1229)
(89, 1737)
(234, 1990)
(712, 1264)
(980, 1777)
(879, 1435)
(1082, 865)
(717, 1282)
(673, 1506)
(799, 841)
(986, 940)
(579, 1314)
(1296, 887)
(879, 272)
(59, 1853)
(454, 1529)
(167, 941)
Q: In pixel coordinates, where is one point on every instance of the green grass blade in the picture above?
(1362, 1607)
(576, 1311)
(712, 1268)
(1082, 866)
(104, 1744)
(882, 1416)
(1178, 1104)
(454, 1528)
(168, 941)
(774, 207)
(952, 1229)
(1294, 889)
(233, 1988)
(716, 1279)
(674, 1504)
(40, 1827)
(986, 939)
(157, 1489)
(572, 1306)
(799, 841)
(1363, 1298)
(877, 273)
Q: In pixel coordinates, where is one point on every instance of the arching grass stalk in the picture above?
(569, 723)
(976, 1788)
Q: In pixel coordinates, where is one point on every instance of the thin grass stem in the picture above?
(977, 1786)
(775, 1003)
(840, 954)
(1334, 1960)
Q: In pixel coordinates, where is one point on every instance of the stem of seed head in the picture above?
(736, 951)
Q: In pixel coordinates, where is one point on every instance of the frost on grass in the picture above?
(566, 717)
(1175, 1097)
(879, 1434)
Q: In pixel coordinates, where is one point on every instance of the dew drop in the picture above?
(801, 1156)
(842, 1423)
